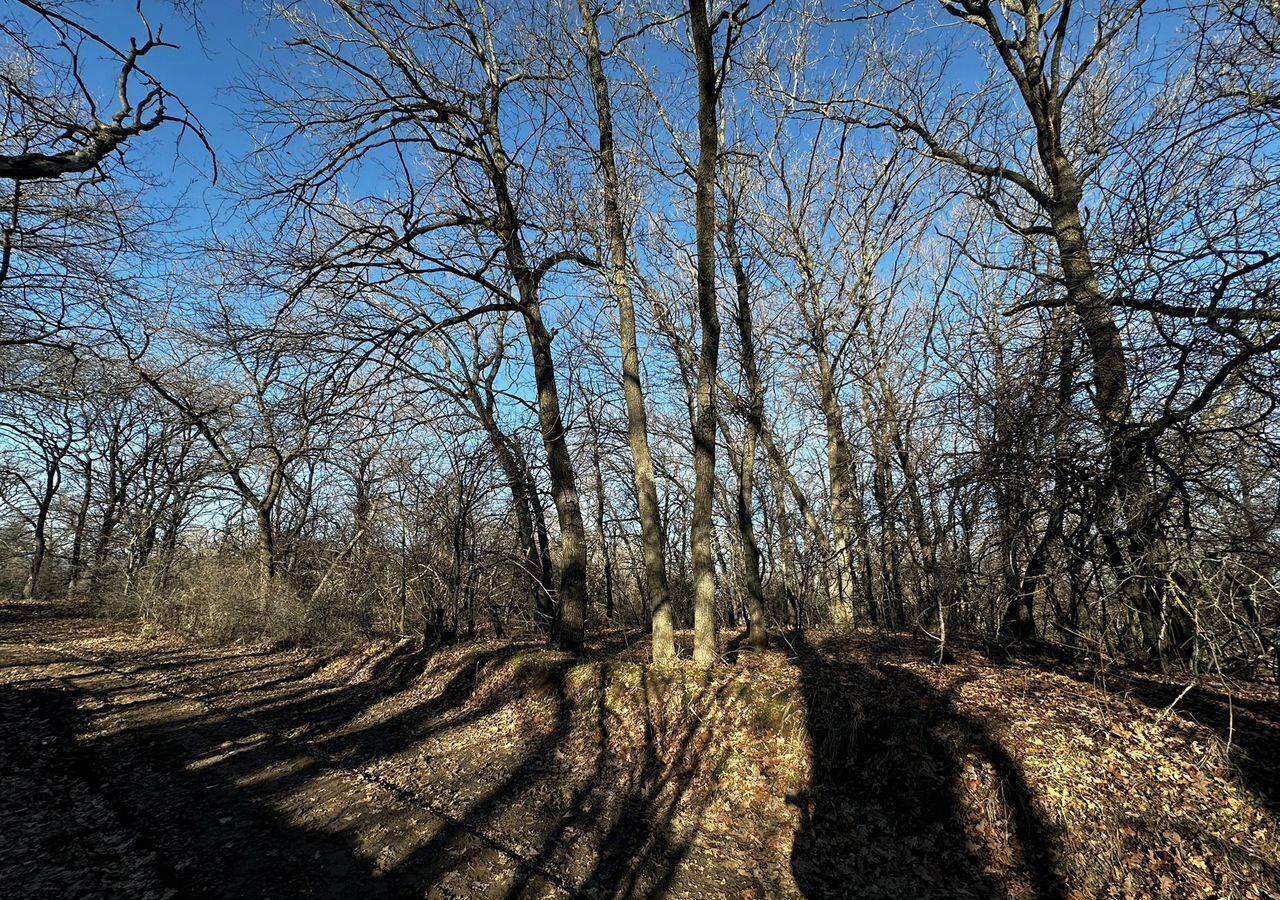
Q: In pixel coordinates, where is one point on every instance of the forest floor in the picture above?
(142, 766)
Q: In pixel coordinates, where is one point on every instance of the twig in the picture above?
(1164, 713)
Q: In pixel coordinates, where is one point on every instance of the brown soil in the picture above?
(135, 766)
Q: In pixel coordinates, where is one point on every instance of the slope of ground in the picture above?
(850, 767)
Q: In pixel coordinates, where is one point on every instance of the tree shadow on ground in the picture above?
(60, 838)
(883, 815)
(632, 812)
(1243, 715)
(583, 828)
(292, 792)
(295, 788)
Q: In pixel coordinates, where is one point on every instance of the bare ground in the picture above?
(135, 766)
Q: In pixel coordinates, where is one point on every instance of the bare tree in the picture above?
(439, 79)
(54, 126)
(41, 425)
(753, 417)
(652, 538)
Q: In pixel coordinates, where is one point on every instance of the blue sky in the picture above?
(235, 39)
(232, 38)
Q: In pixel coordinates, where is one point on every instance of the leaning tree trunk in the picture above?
(536, 569)
(1137, 550)
(538, 511)
(571, 598)
(785, 478)
(51, 479)
(572, 595)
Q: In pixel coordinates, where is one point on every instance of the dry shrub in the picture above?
(217, 598)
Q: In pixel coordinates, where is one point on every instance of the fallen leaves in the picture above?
(967, 779)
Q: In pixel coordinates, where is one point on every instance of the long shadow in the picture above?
(883, 815)
(636, 851)
(235, 806)
(59, 836)
(318, 723)
(22, 611)
(1249, 725)
(528, 786)
(237, 803)
(594, 832)
(641, 852)
(290, 705)
(212, 788)
(179, 827)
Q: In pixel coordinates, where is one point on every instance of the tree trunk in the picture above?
(538, 511)
(52, 478)
(786, 479)
(76, 567)
(653, 541)
(537, 569)
(107, 525)
(572, 595)
(266, 555)
(606, 555)
(757, 638)
(705, 652)
(785, 553)
(882, 490)
(571, 598)
(1136, 548)
(840, 472)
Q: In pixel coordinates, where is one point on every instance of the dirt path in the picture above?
(149, 768)
(169, 772)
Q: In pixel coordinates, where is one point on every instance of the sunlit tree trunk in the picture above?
(652, 539)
